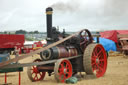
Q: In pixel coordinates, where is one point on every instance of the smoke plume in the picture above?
(115, 7)
(70, 6)
(96, 13)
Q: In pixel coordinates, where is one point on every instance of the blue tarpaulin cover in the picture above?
(107, 44)
(4, 57)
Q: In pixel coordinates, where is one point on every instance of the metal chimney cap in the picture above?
(49, 9)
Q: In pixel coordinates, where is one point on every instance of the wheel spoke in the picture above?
(67, 66)
(82, 42)
(101, 64)
(61, 72)
(64, 76)
(62, 66)
(33, 73)
(101, 60)
(61, 78)
(99, 53)
(67, 72)
(95, 52)
(34, 67)
(35, 77)
(93, 66)
(93, 58)
(93, 63)
(99, 68)
(40, 74)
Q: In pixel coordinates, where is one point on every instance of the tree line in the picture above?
(21, 32)
(25, 32)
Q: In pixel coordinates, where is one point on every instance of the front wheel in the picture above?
(62, 70)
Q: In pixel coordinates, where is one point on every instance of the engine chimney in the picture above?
(49, 21)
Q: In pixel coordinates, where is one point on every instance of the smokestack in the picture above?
(49, 21)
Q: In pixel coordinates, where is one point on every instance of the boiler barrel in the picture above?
(58, 52)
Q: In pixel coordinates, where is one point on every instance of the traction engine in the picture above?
(77, 54)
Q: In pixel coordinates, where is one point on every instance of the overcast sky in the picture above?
(71, 15)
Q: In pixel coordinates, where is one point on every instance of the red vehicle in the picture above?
(9, 41)
(33, 45)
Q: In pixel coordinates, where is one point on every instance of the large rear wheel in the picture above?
(95, 60)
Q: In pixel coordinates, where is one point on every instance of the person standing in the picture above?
(16, 51)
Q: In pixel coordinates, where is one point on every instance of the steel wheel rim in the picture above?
(99, 61)
(64, 70)
(35, 74)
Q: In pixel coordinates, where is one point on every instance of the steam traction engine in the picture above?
(77, 54)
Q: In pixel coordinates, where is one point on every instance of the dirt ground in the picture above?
(116, 74)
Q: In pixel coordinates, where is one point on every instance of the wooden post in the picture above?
(5, 78)
(19, 77)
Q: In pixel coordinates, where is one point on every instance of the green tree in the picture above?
(5, 32)
(36, 32)
(21, 32)
(31, 32)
